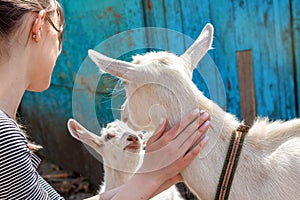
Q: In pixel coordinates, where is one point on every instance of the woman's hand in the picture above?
(167, 154)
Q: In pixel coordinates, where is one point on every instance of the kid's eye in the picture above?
(109, 136)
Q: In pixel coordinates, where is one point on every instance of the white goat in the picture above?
(121, 150)
(159, 85)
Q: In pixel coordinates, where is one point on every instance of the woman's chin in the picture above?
(38, 88)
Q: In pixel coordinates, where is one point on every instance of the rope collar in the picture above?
(231, 161)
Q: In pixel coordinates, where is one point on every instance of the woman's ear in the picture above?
(37, 25)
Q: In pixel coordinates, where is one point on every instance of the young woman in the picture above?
(30, 43)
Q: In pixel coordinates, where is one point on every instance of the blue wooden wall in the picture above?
(269, 28)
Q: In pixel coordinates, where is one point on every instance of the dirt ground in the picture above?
(73, 186)
(68, 184)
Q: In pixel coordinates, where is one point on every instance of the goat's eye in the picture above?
(109, 136)
(141, 136)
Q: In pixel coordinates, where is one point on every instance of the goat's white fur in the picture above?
(159, 85)
(121, 150)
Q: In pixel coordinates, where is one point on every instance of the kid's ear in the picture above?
(77, 130)
(82, 134)
(37, 25)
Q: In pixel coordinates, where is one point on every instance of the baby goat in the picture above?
(121, 150)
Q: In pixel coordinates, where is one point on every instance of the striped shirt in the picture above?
(19, 178)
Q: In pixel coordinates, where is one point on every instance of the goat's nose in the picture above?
(132, 138)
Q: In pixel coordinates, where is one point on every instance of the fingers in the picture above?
(183, 162)
(184, 123)
(165, 148)
(159, 132)
(182, 135)
(191, 130)
(195, 151)
(201, 130)
(194, 140)
(189, 122)
(204, 117)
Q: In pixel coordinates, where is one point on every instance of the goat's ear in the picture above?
(82, 134)
(118, 68)
(76, 129)
(199, 48)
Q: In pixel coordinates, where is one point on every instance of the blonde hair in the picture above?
(31, 145)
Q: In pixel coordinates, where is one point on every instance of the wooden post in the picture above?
(246, 86)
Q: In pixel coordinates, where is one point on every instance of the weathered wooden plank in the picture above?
(268, 64)
(174, 24)
(222, 17)
(272, 37)
(88, 23)
(244, 40)
(265, 77)
(284, 60)
(295, 9)
(85, 22)
(242, 25)
(246, 86)
(154, 17)
(194, 16)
